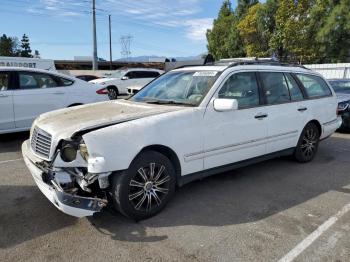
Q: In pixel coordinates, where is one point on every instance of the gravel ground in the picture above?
(257, 213)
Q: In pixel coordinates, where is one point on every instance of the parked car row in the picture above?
(187, 124)
(119, 82)
(26, 93)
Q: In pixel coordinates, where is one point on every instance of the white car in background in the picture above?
(188, 124)
(26, 93)
(118, 82)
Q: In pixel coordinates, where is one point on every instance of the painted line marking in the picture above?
(9, 161)
(295, 252)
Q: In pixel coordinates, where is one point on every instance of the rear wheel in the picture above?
(146, 187)
(307, 144)
(112, 92)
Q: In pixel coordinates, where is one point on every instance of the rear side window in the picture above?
(30, 80)
(65, 82)
(294, 90)
(314, 86)
(275, 87)
(243, 87)
(4, 81)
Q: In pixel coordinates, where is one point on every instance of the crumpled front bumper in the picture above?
(70, 204)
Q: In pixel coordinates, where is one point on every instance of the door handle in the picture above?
(58, 93)
(261, 116)
(2, 95)
(302, 109)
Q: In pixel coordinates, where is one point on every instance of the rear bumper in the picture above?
(70, 204)
(329, 128)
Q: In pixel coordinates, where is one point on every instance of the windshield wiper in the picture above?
(166, 102)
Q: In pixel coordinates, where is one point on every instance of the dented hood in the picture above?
(66, 122)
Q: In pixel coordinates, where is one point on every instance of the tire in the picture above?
(138, 194)
(307, 144)
(113, 93)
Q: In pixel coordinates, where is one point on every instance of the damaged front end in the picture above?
(65, 180)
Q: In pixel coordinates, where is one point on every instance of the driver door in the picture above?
(236, 135)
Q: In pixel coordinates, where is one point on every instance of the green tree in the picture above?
(252, 34)
(291, 39)
(333, 34)
(219, 36)
(243, 6)
(8, 46)
(25, 47)
(224, 40)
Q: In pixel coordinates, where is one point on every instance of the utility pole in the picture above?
(94, 55)
(110, 43)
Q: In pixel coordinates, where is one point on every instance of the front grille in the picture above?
(41, 142)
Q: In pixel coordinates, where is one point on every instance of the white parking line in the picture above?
(314, 235)
(12, 160)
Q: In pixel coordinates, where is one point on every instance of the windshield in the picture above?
(341, 86)
(117, 74)
(178, 87)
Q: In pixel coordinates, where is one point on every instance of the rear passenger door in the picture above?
(36, 93)
(283, 97)
(7, 119)
(320, 103)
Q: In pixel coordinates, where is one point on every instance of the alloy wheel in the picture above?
(112, 94)
(309, 143)
(149, 187)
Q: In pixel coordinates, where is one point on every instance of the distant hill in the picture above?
(153, 58)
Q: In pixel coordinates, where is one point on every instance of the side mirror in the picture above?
(125, 78)
(224, 105)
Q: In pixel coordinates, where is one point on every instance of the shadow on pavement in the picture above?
(12, 142)
(26, 214)
(242, 196)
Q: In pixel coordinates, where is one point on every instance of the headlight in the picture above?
(69, 152)
(83, 151)
(343, 105)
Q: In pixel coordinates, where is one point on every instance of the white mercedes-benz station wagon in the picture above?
(187, 124)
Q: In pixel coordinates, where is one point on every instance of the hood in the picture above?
(103, 80)
(342, 97)
(64, 123)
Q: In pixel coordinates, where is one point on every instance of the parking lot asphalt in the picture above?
(274, 210)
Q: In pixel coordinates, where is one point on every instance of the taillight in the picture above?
(103, 91)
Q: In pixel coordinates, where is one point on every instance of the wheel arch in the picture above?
(76, 104)
(317, 123)
(170, 154)
(113, 86)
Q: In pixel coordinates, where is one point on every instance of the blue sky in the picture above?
(61, 29)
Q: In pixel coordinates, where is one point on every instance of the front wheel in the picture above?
(307, 144)
(145, 188)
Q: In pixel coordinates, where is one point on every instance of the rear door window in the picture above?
(275, 88)
(31, 80)
(294, 90)
(314, 86)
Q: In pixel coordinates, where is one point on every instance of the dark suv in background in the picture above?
(342, 89)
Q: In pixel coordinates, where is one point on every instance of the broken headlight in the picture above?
(69, 152)
(83, 151)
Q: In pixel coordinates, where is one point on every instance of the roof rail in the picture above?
(232, 62)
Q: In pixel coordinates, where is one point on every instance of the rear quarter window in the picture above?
(315, 86)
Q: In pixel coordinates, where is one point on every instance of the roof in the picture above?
(289, 68)
(5, 68)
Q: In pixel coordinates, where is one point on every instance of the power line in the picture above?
(125, 42)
